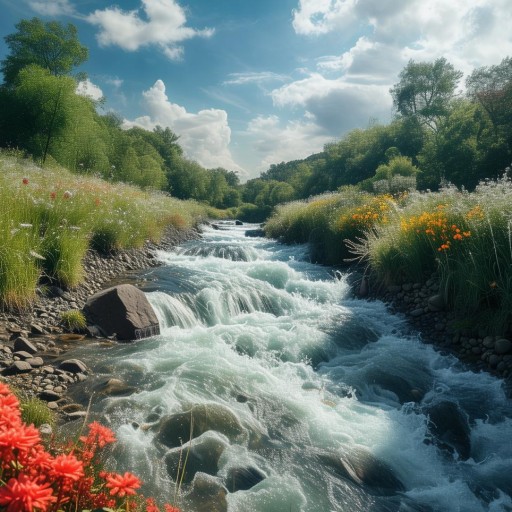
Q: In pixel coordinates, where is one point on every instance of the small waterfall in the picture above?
(302, 398)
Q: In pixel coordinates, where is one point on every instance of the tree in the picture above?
(425, 90)
(50, 45)
(492, 88)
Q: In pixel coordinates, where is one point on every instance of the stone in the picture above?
(24, 345)
(115, 387)
(364, 469)
(449, 428)
(35, 362)
(436, 302)
(17, 367)
(21, 354)
(207, 494)
(417, 312)
(255, 233)
(73, 366)
(176, 429)
(36, 329)
(243, 478)
(202, 454)
(123, 311)
(502, 346)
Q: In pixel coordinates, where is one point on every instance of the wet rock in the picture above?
(115, 387)
(123, 311)
(243, 478)
(201, 454)
(361, 467)
(502, 346)
(73, 366)
(176, 429)
(449, 427)
(208, 494)
(21, 344)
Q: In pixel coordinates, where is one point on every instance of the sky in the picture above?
(250, 83)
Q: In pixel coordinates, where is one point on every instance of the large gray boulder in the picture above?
(123, 311)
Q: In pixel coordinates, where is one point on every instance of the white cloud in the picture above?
(255, 78)
(204, 137)
(164, 25)
(272, 141)
(52, 7)
(87, 88)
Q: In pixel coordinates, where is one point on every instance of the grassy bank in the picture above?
(464, 237)
(49, 218)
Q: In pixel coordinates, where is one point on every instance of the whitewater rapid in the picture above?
(311, 377)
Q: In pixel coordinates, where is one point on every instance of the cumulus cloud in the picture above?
(273, 141)
(87, 88)
(52, 7)
(163, 25)
(204, 137)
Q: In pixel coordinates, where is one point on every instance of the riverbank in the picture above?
(33, 343)
(423, 306)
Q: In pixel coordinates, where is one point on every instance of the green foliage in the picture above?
(425, 90)
(73, 320)
(51, 46)
(36, 412)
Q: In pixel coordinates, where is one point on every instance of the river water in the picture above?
(316, 401)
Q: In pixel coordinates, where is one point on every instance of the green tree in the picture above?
(50, 45)
(425, 90)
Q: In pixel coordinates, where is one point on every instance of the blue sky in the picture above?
(249, 83)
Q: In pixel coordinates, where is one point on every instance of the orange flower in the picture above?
(25, 181)
(122, 485)
(25, 495)
(457, 236)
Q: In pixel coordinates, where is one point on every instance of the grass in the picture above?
(73, 320)
(50, 218)
(465, 238)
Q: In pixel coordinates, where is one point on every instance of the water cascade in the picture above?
(271, 389)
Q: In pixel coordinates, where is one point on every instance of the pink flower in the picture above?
(25, 495)
(122, 485)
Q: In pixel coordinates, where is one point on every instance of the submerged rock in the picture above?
(177, 429)
(449, 427)
(201, 454)
(242, 478)
(207, 494)
(363, 468)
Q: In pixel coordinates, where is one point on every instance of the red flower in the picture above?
(122, 485)
(25, 181)
(53, 195)
(170, 508)
(68, 467)
(22, 437)
(25, 495)
(98, 434)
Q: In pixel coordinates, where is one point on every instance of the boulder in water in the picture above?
(242, 478)
(361, 467)
(207, 494)
(255, 233)
(201, 454)
(123, 311)
(449, 427)
(177, 429)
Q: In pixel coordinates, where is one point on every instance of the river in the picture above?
(317, 401)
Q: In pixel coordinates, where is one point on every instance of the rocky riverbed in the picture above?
(33, 343)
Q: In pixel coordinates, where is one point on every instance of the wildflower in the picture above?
(21, 437)
(170, 508)
(98, 435)
(24, 495)
(151, 505)
(122, 485)
(53, 196)
(25, 181)
(68, 467)
(457, 236)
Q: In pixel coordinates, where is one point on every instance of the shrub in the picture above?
(73, 320)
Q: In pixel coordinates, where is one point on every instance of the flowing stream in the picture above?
(302, 398)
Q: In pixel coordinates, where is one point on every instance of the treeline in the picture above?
(43, 114)
(438, 135)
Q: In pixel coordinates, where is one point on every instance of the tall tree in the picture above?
(425, 90)
(492, 87)
(50, 45)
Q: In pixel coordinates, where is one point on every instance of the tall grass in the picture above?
(50, 218)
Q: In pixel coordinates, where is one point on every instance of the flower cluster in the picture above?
(363, 218)
(437, 228)
(35, 479)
